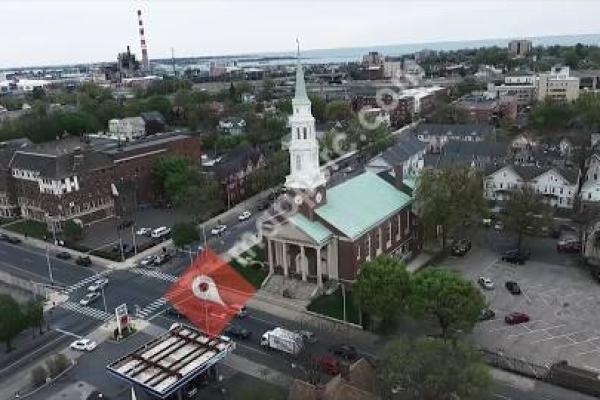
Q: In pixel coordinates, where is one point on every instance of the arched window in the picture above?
(304, 132)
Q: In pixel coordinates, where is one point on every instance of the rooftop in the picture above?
(314, 229)
(358, 204)
(169, 361)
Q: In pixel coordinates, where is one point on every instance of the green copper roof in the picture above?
(312, 228)
(410, 182)
(361, 203)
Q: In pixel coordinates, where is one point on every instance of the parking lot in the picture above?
(561, 298)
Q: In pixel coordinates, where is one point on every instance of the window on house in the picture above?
(368, 246)
(389, 241)
(358, 251)
(305, 132)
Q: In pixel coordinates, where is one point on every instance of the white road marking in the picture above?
(577, 343)
(536, 330)
(68, 333)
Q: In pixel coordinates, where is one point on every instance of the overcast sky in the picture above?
(56, 32)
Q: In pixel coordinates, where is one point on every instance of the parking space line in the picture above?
(536, 330)
(578, 343)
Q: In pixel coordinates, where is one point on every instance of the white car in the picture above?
(143, 231)
(89, 298)
(83, 345)
(485, 283)
(217, 230)
(244, 216)
(147, 261)
(98, 285)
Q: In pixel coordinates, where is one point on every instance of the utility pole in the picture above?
(49, 265)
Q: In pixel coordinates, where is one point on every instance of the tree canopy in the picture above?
(446, 199)
(12, 322)
(73, 230)
(525, 213)
(184, 234)
(429, 369)
(382, 287)
(454, 302)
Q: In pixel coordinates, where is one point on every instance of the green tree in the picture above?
(429, 369)
(338, 110)
(446, 296)
(38, 376)
(447, 199)
(525, 213)
(268, 85)
(73, 230)
(34, 315)
(171, 174)
(202, 197)
(184, 234)
(12, 322)
(57, 364)
(318, 107)
(382, 287)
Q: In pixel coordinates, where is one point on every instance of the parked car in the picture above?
(63, 255)
(515, 257)
(160, 232)
(84, 261)
(328, 364)
(237, 332)
(98, 285)
(83, 344)
(461, 247)
(217, 230)
(147, 261)
(513, 287)
(143, 231)
(499, 225)
(345, 351)
(308, 336)
(89, 298)
(516, 318)
(485, 283)
(487, 222)
(244, 216)
(486, 314)
(10, 239)
(570, 245)
(160, 259)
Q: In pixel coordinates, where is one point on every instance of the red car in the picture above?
(329, 365)
(568, 246)
(516, 318)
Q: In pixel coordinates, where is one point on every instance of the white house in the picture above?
(407, 153)
(590, 190)
(127, 128)
(557, 187)
(232, 125)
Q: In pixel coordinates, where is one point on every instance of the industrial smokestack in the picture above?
(145, 63)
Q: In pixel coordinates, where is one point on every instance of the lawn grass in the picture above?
(251, 273)
(333, 306)
(29, 228)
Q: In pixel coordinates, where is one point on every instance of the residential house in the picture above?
(401, 113)
(405, 156)
(233, 168)
(483, 109)
(232, 125)
(590, 189)
(479, 155)
(437, 135)
(557, 186)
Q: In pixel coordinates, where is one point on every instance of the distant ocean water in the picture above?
(351, 54)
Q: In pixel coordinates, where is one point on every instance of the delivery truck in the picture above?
(283, 340)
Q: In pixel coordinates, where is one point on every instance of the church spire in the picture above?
(300, 95)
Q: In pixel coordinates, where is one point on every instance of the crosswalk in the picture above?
(152, 307)
(86, 281)
(87, 311)
(154, 274)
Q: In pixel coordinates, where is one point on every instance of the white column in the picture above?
(270, 251)
(303, 263)
(285, 260)
(319, 268)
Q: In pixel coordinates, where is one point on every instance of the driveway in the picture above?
(561, 299)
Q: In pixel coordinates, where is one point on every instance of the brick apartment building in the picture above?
(400, 115)
(74, 179)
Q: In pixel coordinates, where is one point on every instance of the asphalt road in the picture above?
(143, 290)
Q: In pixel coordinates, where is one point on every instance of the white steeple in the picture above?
(304, 147)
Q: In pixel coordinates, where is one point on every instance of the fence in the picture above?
(559, 373)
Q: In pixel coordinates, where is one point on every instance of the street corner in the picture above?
(210, 292)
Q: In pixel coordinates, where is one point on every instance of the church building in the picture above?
(333, 229)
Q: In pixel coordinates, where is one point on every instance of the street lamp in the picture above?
(104, 301)
(49, 265)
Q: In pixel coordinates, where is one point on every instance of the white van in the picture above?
(160, 232)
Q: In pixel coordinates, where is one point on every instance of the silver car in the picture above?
(89, 298)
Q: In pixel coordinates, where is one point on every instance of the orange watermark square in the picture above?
(210, 292)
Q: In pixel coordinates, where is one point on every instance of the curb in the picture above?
(334, 320)
(51, 381)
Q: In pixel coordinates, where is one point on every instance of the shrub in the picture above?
(57, 364)
(38, 376)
